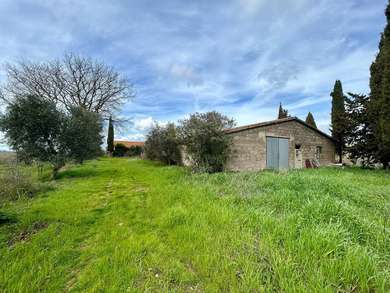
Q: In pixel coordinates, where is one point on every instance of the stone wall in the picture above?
(249, 146)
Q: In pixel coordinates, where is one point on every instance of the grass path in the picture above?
(122, 225)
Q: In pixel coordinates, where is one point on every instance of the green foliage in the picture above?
(37, 130)
(205, 140)
(283, 113)
(162, 145)
(135, 151)
(123, 151)
(16, 183)
(379, 105)
(81, 138)
(359, 135)
(153, 146)
(310, 120)
(120, 150)
(110, 136)
(117, 225)
(368, 129)
(338, 119)
(18, 180)
(33, 128)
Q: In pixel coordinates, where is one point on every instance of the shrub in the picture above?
(205, 141)
(162, 145)
(136, 151)
(120, 150)
(153, 146)
(18, 181)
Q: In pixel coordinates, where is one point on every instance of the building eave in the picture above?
(273, 122)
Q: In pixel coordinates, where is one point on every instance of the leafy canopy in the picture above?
(120, 150)
(359, 135)
(37, 130)
(205, 140)
(81, 136)
(162, 145)
(33, 127)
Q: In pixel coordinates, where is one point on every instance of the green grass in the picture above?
(19, 180)
(119, 224)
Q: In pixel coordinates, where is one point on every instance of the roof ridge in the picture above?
(276, 121)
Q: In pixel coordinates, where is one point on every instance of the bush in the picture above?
(135, 151)
(17, 181)
(205, 141)
(120, 150)
(162, 145)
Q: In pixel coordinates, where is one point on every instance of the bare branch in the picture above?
(71, 81)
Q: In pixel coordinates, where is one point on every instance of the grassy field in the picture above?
(131, 225)
(18, 180)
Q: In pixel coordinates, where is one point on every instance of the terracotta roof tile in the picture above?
(129, 143)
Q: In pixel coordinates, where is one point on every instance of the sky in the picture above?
(240, 57)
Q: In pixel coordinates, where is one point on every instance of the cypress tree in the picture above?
(379, 105)
(310, 120)
(282, 112)
(338, 119)
(110, 137)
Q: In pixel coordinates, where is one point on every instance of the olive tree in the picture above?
(32, 127)
(205, 141)
(37, 130)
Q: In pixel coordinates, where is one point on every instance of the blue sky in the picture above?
(239, 57)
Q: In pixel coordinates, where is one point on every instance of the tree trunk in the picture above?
(56, 170)
(340, 152)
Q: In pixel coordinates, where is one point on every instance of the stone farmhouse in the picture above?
(129, 144)
(279, 144)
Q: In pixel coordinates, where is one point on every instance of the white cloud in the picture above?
(144, 124)
(240, 57)
(186, 73)
(132, 137)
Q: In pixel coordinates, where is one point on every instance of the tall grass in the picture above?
(18, 180)
(130, 225)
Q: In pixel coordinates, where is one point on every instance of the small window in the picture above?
(297, 146)
(318, 153)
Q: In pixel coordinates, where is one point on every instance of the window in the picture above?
(318, 153)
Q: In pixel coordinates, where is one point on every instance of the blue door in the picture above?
(277, 153)
(283, 153)
(272, 153)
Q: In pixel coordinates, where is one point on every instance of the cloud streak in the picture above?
(239, 57)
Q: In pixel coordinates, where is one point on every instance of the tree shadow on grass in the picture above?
(78, 173)
(6, 219)
(26, 234)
